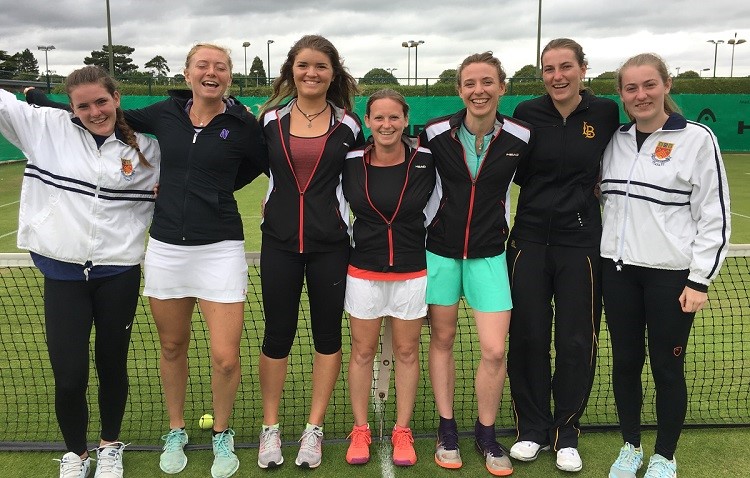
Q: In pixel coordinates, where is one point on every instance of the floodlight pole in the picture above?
(716, 51)
(45, 49)
(109, 41)
(734, 42)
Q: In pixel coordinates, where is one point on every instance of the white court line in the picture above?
(741, 215)
(10, 203)
(386, 463)
(8, 234)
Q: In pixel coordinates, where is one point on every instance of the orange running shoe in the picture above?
(359, 449)
(403, 446)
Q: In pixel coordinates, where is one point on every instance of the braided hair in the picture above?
(95, 74)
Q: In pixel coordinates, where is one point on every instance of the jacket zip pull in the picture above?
(618, 265)
(195, 136)
(86, 270)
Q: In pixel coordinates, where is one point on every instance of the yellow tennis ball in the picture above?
(206, 421)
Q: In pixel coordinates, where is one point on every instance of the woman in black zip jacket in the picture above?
(305, 231)
(476, 152)
(553, 256)
(388, 184)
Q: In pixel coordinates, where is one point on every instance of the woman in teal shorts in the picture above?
(476, 151)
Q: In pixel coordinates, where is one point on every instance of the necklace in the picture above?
(310, 117)
(201, 122)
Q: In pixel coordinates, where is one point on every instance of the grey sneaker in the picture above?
(226, 462)
(109, 460)
(495, 459)
(173, 459)
(72, 466)
(627, 463)
(447, 454)
(310, 448)
(660, 467)
(269, 451)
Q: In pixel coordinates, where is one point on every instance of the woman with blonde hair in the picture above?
(666, 228)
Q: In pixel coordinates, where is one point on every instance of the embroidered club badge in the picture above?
(127, 169)
(662, 154)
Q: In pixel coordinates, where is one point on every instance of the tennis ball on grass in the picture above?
(206, 422)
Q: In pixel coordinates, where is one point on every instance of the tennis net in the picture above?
(718, 370)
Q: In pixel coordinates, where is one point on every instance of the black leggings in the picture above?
(71, 308)
(637, 299)
(282, 274)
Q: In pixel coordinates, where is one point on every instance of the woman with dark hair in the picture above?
(665, 235)
(305, 231)
(553, 257)
(86, 201)
(476, 153)
(387, 183)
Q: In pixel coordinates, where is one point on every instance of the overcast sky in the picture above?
(369, 34)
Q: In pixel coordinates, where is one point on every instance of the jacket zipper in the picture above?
(467, 231)
(626, 207)
(296, 179)
(389, 222)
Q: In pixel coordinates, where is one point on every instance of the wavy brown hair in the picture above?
(97, 75)
(343, 86)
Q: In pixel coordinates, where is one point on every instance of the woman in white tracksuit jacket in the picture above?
(665, 235)
(86, 202)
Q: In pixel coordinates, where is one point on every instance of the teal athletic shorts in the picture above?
(482, 281)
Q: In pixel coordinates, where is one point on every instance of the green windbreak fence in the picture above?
(727, 115)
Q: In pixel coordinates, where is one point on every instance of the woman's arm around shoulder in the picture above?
(255, 161)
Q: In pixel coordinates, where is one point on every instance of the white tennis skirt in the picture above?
(215, 272)
(371, 299)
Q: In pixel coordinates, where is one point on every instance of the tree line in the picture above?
(23, 65)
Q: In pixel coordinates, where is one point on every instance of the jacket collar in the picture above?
(410, 142)
(675, 122)
(457, 119)
(118, 134)
(583, 105)
(234, 107)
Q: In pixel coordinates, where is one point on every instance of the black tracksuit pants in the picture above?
(70, 309)
(640, 300)
(560, 284)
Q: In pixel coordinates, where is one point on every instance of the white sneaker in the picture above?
(568, 459)
(269, 450)
(72, 466)
(310, 448)
(526, 450)
(109, 460)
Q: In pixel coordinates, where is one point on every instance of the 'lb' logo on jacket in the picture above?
(588, 130)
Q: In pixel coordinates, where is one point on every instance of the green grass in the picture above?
(719, 453)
